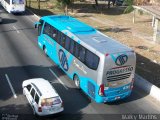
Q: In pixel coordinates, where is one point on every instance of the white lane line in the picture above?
(58, 79)
(7, 78)
(16, 29)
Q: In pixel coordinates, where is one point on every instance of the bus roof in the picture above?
(87, 34)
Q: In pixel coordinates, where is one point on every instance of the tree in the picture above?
(130, 6)
(65, 4)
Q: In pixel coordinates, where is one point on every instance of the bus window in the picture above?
(18, 2)
(46, 29)
(63, 39)
(76, 47)
(67, 43)
(72, 46)
(82, 53)
(53, 33)
(91, 60)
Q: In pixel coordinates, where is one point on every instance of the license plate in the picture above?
(123, 91)
(54, 109)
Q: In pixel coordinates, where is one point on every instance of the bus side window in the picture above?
(58, 37)
(91, 60)
(67, 43)
(53, 33)
(63, 39)
(76, 47)
(82, 52)
(72, 46)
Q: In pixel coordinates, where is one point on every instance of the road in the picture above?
(21, 59)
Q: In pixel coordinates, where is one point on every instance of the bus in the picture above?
(99, 65)
(13, 6)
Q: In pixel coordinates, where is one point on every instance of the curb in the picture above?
(148, 87)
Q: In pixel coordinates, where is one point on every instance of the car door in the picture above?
(31, 97)
(36, 102)
(26, 91)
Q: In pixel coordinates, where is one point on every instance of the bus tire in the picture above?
(76, 81)
(45, 50)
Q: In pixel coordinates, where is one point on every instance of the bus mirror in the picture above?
(36, 24)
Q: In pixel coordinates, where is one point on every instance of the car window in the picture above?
(36, 98)
(29, 87)
(32, 93)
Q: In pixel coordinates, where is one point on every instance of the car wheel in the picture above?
(77, 81)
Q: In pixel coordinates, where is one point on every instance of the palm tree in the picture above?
(130, 6)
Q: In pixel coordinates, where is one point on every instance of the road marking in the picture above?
(14, 94)
(58, 79)
(16, 29)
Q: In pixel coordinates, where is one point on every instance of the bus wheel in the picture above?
(45, 51)
(76, 81)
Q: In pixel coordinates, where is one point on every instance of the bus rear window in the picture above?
(91, 60)
(18, 2)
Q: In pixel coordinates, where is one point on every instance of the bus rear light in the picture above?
(131, 86)
(39, 109)
(101, 90)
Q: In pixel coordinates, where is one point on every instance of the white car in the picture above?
(42, 97)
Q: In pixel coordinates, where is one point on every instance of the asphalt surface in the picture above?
(21, 59)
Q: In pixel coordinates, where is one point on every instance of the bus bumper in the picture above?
(113, 98)
(115, 94)
(117, 97)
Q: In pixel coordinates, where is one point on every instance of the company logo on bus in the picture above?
(121, 60)
(63, 59)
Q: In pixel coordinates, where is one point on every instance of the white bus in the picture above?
(13, 6)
